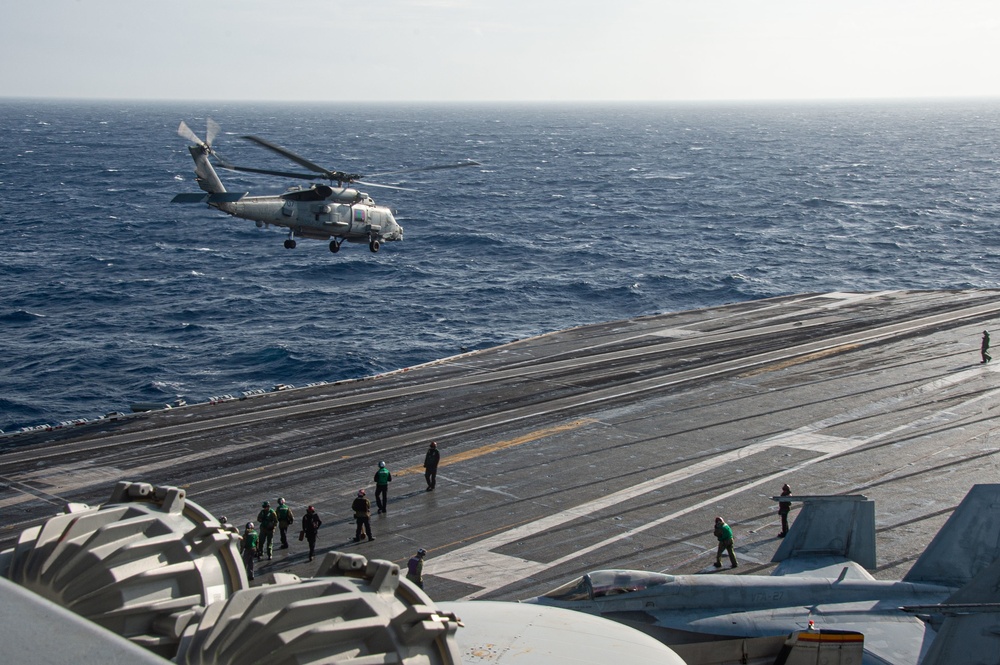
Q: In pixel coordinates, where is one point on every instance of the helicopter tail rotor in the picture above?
(207, 177)
(211, 131)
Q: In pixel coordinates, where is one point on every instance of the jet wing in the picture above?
(891, 638)
(832, 568)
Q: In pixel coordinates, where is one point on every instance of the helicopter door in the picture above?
(341, 217)
(375, 220)
(324, 213)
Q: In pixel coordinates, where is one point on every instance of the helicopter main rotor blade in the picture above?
(435, 167)
(304, 176)
(375, 184)
(285, 152)
(281, 174)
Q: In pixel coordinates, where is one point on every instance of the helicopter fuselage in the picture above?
(320, 212)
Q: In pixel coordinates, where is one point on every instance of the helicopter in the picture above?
(321, 211)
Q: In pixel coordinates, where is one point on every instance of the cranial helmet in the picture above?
(249, 525)
(361, 492)
(421, 552)
(381, 465)
(310, 509)
(280, 500)
(266, 504)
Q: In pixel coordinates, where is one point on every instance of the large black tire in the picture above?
(289, 244)
(374, 245)
(334, 246)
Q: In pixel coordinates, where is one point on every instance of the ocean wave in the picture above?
(20, 316)
(581, 215)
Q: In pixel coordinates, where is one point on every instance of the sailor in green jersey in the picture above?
(382, 480)
(285, 520)
(267, 519)
(726, 540)
(248, 548)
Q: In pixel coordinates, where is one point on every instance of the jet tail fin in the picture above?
(983, 588)
(967, 544)
(967, 633)
(967, 623)
(831, 526)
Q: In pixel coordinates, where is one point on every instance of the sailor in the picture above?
(985, 348)
(431, 460)
(267, 519)
(310, 526)
(415, 568)
(228, 526)
(362, 508)
(248, 548)
(382, 480)
(783, 508)
(725, 535)
(285, 520)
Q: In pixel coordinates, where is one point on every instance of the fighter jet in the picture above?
(822, 581)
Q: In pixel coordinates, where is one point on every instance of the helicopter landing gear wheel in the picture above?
(334, 246)
(374, 245)
(289, 244)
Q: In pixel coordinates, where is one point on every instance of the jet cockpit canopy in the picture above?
(601, 583)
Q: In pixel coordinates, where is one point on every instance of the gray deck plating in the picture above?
(602, 446)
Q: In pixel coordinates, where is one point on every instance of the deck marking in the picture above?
(479, 565)
(502, 445)
(791, 362)
(492, 571)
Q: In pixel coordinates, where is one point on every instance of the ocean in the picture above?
(578, 214)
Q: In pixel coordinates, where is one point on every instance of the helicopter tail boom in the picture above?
(204, 172)
(208, 180)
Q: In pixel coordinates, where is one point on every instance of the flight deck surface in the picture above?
(604, 446)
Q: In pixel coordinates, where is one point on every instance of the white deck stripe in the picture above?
(477, 564)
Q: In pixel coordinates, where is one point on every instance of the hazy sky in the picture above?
(482, 50)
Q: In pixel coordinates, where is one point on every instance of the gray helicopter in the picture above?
(321, 211)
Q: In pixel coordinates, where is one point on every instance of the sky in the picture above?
(499, 50)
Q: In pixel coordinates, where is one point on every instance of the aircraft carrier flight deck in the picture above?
(604, 446)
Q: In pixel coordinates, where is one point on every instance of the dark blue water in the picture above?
(579, 214)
